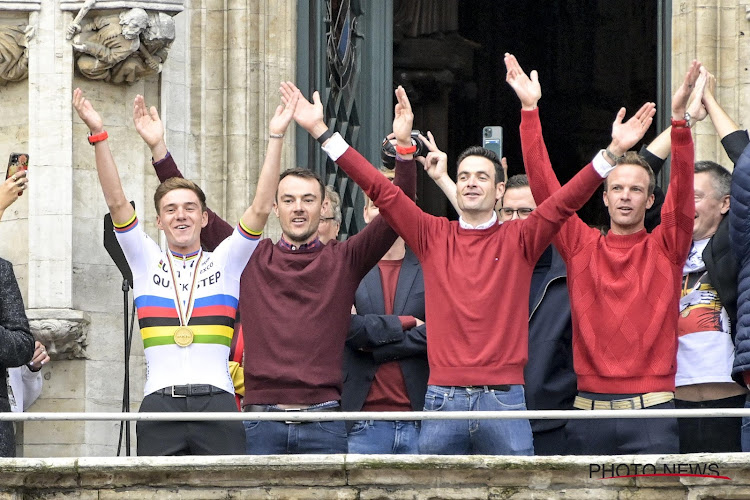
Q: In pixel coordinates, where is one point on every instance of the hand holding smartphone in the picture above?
(18, 162)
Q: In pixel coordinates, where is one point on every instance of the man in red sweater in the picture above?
(477, 345)
(295, 303)
(625, 285)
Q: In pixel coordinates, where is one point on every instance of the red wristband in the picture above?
(679, 123)
(406, 150)
(101, 136)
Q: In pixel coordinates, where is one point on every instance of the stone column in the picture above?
(714, 32)
(219, 92)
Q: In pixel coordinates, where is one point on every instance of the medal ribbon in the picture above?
(189, 311)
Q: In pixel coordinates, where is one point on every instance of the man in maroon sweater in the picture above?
(477, 345)
(625, 285)
(295, 304)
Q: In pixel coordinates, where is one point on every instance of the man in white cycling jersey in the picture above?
(186, 298)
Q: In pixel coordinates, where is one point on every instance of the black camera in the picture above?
(388, 150)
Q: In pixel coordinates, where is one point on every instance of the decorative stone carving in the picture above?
(123, 48)
(62, 331)
(160, 5)
(14, 52)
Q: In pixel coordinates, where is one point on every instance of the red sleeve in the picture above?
(217, 229)
(396, 206)
(543, 181)
(678, 212)
(407, 322)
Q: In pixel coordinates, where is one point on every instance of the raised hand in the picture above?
(308, 115)
(695, 108)
(681, 96)
(284, 114)
(87, 113)
(403, 118)
(528, 90)
(147, 122)
(625, 135)
(436, 162)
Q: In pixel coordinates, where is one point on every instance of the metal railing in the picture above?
(310, 416)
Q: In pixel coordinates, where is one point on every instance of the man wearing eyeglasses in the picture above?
(550, 379)
(330, 220)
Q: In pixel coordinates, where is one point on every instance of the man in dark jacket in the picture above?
(389, 303)
(708, 307)
(550, 379)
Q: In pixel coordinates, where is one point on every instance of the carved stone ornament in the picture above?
(62, 331)
(121, 48)
(22, 5)
(14, 53)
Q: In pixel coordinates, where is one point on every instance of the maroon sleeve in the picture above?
(368, 246)
(217, 229)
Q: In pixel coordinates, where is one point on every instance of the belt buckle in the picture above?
(178, 395)
(291, 410)
(623, 404)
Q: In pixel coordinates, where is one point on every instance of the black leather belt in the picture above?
(183, 391)
(261, 408)
(500, 388)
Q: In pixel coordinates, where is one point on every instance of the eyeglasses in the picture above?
(507, 213)
(326, 219)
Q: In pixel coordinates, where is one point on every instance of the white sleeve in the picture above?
(135, 244)
(335, 146)
(235, 251)
(602, 166)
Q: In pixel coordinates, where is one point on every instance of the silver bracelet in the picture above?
(276, 136)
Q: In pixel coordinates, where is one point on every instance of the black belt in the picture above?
(500, 388)
(261, 408)
(183, 391)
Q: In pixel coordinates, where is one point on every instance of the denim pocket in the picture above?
(435, 399)
(250, 424)
(511, 400)
(358, 427)
(337, 428)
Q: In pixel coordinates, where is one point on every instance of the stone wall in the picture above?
(361, 477)
(716, 33)
(218, 89)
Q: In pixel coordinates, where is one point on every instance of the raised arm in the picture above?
(256, 215)
(538, 166)
(436, 166)
(121, 211)
(149, 126)
(395, 206)
(732, 138)
(678, 211)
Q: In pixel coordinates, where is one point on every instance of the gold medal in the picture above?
(183, 336)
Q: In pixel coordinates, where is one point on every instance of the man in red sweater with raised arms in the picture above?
(625, 285)
(477, 349)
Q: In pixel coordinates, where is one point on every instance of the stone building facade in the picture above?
(216, 91)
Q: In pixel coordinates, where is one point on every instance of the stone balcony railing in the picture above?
(376, 477)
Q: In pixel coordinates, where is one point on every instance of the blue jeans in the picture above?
(746, 428)
(478, 437)
(265, 437)
(397, 437)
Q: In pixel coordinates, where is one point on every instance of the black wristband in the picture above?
(325, 136)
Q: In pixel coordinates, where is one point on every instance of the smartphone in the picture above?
(492, 139)
(17, 161)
